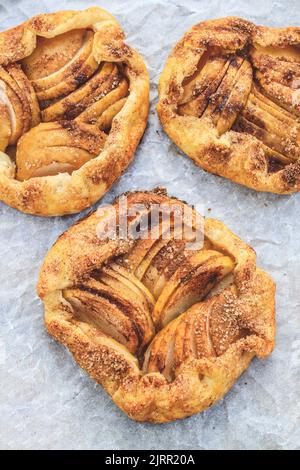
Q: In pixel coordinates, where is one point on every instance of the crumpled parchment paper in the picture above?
(46, 400)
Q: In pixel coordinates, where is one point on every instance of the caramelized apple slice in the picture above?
(185, 337)
(197, 91)
(286, 151)
(277, 64)
(190, 283)
(141, 320)
(162, 246)
(282, 135)
(161, 260)
(19, 98)
(159, 355)
(282, 95)
(219, 99)
(73, 74)
(146, 261)
(14, 106)
(106, 305)
(289, 54)
(105, 121)
(140, 249)
(164, 274)
(52, 54)
(92, 308)
(93, 112)
(121, 271)
(5, 128)
(126, 289)
(52, 148)
(29, 96)
(104, 81)
(275, 110)
(237, 98)
(205, 330)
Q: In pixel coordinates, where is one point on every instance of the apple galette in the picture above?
(164, 323)
(229, 97)
(73, 107)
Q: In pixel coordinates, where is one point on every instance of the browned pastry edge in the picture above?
(239, 157)
(64, 193)
(198, 383)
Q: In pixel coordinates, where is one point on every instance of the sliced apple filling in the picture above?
(219, 89)
(117, 312)
(130, 302)
(57, 147)
(252, 91)
(78, 97)
(190, 283)
(59, 65)
(64, 146)
(199, 88)
(277, 70)
(18, 101)
(273, 126)
(207, 329)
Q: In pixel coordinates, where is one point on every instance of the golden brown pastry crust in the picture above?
(229, 98)
(69, 193)
(86, 282)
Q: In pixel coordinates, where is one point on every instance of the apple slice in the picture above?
(163, 275)
(190, 283)
(140, 318)
(198, 91)
(52, 54)
(69, 107)
(93, 112)
(185, 337)
(96, 310)
(127, 290)
(27, 92)
(18, 96)
(5, 128)
(73, 74)
(144, 265)
(270, 140)
(274, 109)
(17, 106)
(159, 355)
(288, 54)
(219, 98)
(281, 135)
(237, 98)
(135, 283)
(282, 95)
(278, 124)
(105, 121)
(116, 314)
(52, 148)
(207, 329)
(277, 64)
(161, 260)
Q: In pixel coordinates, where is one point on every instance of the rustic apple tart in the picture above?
(166, 325)
(73, 107)
(229, 97)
